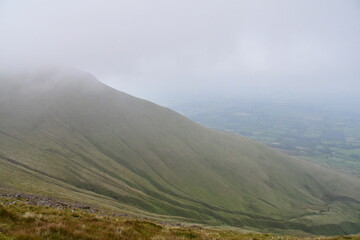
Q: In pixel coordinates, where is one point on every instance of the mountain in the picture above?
(64, 133)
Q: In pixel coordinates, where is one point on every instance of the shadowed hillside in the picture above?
(66, 134)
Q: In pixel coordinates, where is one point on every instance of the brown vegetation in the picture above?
(21, 220)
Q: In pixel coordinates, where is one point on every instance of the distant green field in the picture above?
(327, 133)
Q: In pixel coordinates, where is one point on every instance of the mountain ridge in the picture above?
(109, 145)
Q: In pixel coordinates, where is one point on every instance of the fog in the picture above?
(165, 50)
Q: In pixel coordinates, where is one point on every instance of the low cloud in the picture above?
(152, 48)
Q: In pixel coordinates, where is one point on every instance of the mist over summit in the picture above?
(223, 48)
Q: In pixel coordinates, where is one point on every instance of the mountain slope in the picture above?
(66, 133)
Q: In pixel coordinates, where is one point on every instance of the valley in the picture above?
(323, 133)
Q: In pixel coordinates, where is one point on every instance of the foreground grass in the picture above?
(23, 221)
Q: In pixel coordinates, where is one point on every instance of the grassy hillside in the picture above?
(66, 134)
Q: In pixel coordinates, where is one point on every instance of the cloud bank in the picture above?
(157, 47)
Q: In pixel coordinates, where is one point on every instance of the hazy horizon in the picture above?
(162, 50)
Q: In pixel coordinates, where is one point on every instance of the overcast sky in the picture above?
(158, 48)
